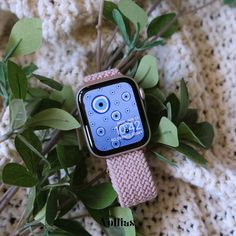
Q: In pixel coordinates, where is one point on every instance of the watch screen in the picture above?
(113, 116)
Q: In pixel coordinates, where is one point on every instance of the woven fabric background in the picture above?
(191, 200)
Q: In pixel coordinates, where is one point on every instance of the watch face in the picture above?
(113, 116)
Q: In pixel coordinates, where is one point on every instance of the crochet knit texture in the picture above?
(191, 200)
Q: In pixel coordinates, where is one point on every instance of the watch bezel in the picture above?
(87, 129)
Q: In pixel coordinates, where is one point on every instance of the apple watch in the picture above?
(116, 128)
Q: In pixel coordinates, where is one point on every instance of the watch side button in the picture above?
(87, 135)
(142, 94)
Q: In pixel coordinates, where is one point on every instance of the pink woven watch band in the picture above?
(130, 174)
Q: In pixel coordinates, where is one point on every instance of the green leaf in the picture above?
(147, 73)
(71, 226)
(57, 185)
(115, 231)
(118, 18)
(69, 138)
(58, 232)
(156, 92)
(34, 93)
(169, 111)
(54, 118)
(30, 204)
(28, 70)
(18, 115)
(126, 215)
(135, 38)
(32, 106)
(32, 148)
(68, 155)
(40, 216)
(100, 216)
(64, 195)
(138, 234)
(10, 53)
(108, 10)
(154, 109)
(229, 2)
(205, 132)
(167, 133)
(51, 207)
(29, 31)
(54, 163)
(66, 97)
(99, 196)
(50, 82)
(186, 133)
(18, 175)
(81, 139)
(191, 116)
(158, 23)
(163, 159)
(184, 101)
(191, 153)
(44, 104)
(17, 80)
(39, 203)
(134, 13)
(174, 102)
(132, 71)
(78, 176)
(150, 45)
(109, 6)
(30, 158)
(2, 74)
(3, 82)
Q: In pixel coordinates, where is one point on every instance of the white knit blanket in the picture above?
(192, 200)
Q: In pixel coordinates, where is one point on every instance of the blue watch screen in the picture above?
(113, 113)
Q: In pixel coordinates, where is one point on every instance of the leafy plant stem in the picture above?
(33, 149)
(130, 63)
(7, 197)
(153, 7)
(44, 179)
(193, 11)
(113, 57)
(135, 38)
(180, 14)
(99, 35)
(52, 142)
(1, 187)
(33, 223)
(91, 182)
(108, 43)
(95, 179)
(9, 54)
(48, 187)
(78, 216)
(6, 136)
(48, 146)
(55, 138)
(67, 202)
(167, 26)
(3, 110)
(125, 60)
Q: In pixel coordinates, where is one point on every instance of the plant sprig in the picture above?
(47, 134)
